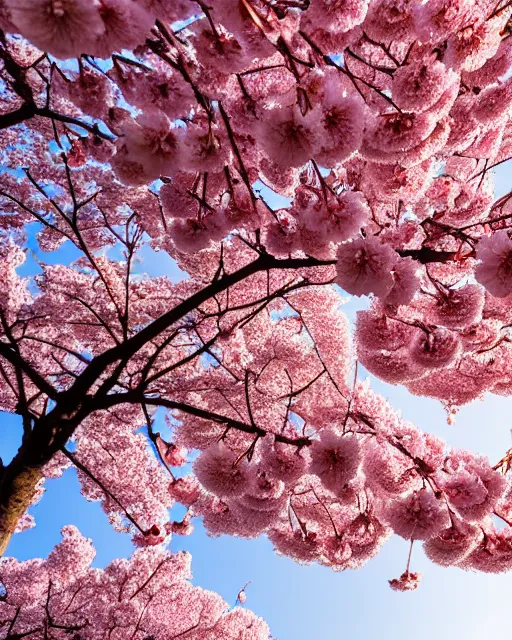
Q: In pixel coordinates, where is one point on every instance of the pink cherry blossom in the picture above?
(334, 459)
(495, 269)
(435, 349)
(392, 366)
(435, 21)
(150, 143)
(71, 558)
(64, 28)
(343, 123)
(492, 104)
(218, 471)
(420, 84)
(364, 267)
(408, 581)
(390, 19)
(458, 308)
(493, 554)
(303, 548)
(469, 494)
(340, 15)
(452, 545)
(419, 516)
(283, 461)
(377, 331)
(126, 24)
(405, 283)
(288, 137)
(347, 216)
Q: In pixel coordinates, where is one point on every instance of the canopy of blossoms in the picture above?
(148, 596)
(277, 150)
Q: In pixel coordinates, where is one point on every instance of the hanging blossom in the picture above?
(126, 23)
(495, 269)
(334, 460)
(408, 581)
(418, 85)
(364, 266)
(288, 137)
(64, 28)
(419, 516)
(217, 470)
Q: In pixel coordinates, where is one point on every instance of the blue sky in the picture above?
(314, 603)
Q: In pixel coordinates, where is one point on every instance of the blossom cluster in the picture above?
(147, 596)
(340, 475)
(372, 133)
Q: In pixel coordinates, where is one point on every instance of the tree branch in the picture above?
(132, 397)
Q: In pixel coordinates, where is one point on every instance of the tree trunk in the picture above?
(16, 497)
(18, 481)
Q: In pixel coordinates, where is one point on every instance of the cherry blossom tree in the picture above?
(277, 150)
